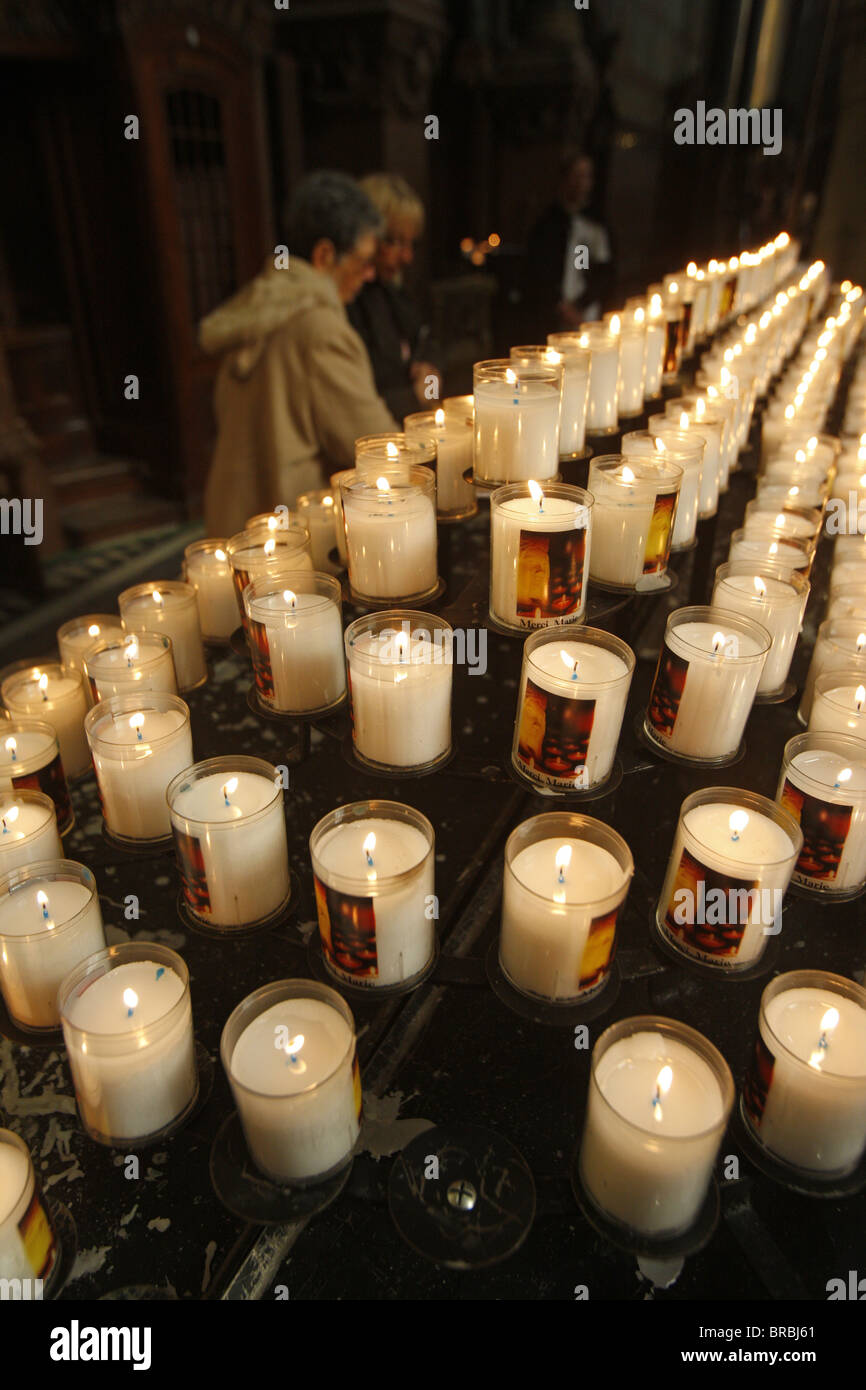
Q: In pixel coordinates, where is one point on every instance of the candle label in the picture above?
(708, 911)
(756, 1086)
(672, 347)
(598, 952)
(260, 651)
(356, 1086)
(241, 580)
(51, 780)
(550, 568)
(553, 737)
(347, 926)
(666, 695)
(825, 828)
(37, 1238)
(658, 545)
(190, 860)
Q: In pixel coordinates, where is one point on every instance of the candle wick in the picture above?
(129, 1013)
(369, 859)
(138, 734)
(562, 876)
(160, 971)
(14, 755)
(823, 1042)
(5, 827)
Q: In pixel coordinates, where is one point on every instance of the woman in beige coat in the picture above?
(295, 388)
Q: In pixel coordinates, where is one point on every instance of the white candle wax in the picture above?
(774, 604)
(630, 389)
(143, 661)
(210, 574)
(134, 772)
(399, 938)
(559, 922)
(711, 469)
(701, 695)
(575, 395)
(626, 1164)
(516, 430)
(759, 522)
(133, 1074)
(401, 709)
(30, 760)
(54, 697)
(569, 715)
(28, 832)
(726, 877)
(814, 1096)
(758, 550)
(16, 1188)
(318, 512)
(688, 498)
(234, 863)
(81, 635)
(300, 1110)
(304, 637)
(539, 561)
(167, 609)
(826, 794)
(654, 359)
(842, 645)
(621, 521)
(840, 709)
(391, 543)
(453, 434)
(38, 952)
(601, 410)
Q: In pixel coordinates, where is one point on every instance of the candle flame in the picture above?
(289, 597)
(562, 861)
(131, 649)
(700, 408)
(860, 697)
(157, 598)
(270, 546)
(368, 846)
(614, 325)
(136, 721)
(760, 587)
(536, 493)
(718, 642)
(130, 999)
(510, 377)
(93, 630)
(844, 776)
(391, 449)
(661, 447)
(737, 823)
(684, 420)
(11, 745)
(42, 898)
(829, 1021)
(664, 1081)
(439, 418)
(655, 306)
(861, 641)
(639, 315)
(553, 357)
(220, 555)
(691, 269)
(774, 548)
(43, 682)
(230, 788)
(401, 640)
(570, 662)
(327, 501)
(273, 522)
(10, 815)
(627, 474)
(383, 485)
(789, 412)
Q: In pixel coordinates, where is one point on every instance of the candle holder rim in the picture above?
(597, 637)
(771, 535)
(178, 587)
(805, 979)
(605, 464)
(407, 478)
(208, 546)
(307, 989)
(21, 724)
(418, 420)
(756, 801)
(73, 625)
(269, 584)
(796, 581)
(690, 444)
(29, 794)
(841, 676)
(493, 369)
(228, 763)
(577, 821)
(798, 744)
(255, 540)
(133, 951)
(158, 701)
(377, 807)
(315, 497)
(706, 612)
(509, 492)
(61, 869)
(696, 1041)
(154, 639)
(828, 632)
(25, 675)
(7, 1135)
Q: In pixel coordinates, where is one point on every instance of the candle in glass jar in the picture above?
(400, 677)
(317, 511)
(139, 743)
(207, 569)
(49, 921)
(539, 554)
(776, 603)
(632, 520)
(575, 392)
(839, 703)
(171, 608)
(517, 413)
(452, 427)
(390, 525)
(55, 697)
(28, 830)
(770, 549)
(28, 1245)
(141, 661)
(841, 642)
(77, 637)
(823, 786)
(296, 642)
(30, 761)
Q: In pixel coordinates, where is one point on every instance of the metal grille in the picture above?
(201, 183)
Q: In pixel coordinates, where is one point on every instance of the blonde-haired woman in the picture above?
(384, 315)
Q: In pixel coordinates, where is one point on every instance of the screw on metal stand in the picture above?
(463, 1195)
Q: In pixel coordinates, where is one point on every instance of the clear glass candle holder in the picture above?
(28, 829)
(79, 635)
(280, 519)
(30, 761)
(29, 1245)
(845, 573)
(127, 1024)
(803, 522)
(206, 567)
(565, 880)
(632, 521)
(656, 336)
(230, 839)
(317, 511)
(391, 542)
(659, 1099)
(255, 554)
(170, 608)
(289, 1053)
(336, 480)
(573, 691)
(517, 410)
(686, 451)
(540, 544)
(54, 696)
(840, 642)
(839, 702)
(677, 417)
(630, 391)
(673, 341)
(296, 642)
(400, 678)
(847, 602)
(732, 859)
(575, 392)
(785, 553)
(823, 786)
(777, 601)
(712, 419)
(706, 679)
(804, 1096)
(398, 450)
(49, 921)
(139, 743)
(776, 493)
(373, 872)
(453, 431)
(139, 661)
(601, 408)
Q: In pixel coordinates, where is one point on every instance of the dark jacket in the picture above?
(391, 328)
(545, 260)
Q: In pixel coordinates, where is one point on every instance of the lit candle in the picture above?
(170, 608)
(517, 413)
(138, 662)
(839, 703)
(390, 525)
(139, 743)
(539, 554)
(296, 642)
(28, 830)
(632, 520)
(452, 427)
(317, 511)
(28, 1245)
(207, 569)
(55, 697)
(823, 786)
(400, 668)
(30, 757)
(776, 603)
(49, 921)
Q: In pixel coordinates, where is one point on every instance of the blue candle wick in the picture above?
(160, 971)
(15, 758)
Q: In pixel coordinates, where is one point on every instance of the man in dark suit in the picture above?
(569, 272)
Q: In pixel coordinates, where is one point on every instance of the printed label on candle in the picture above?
(190, 858)
(38, 1238)
(825, 829)
(672, 347)
(553, 738)
(658, 546)
(757, 1084)
(356, 1086)
(599, 950)
(550, 567)
(709, 911)
(50, 780)
(241, 580)
(667, 692)
(347, 925)
(260, 652)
